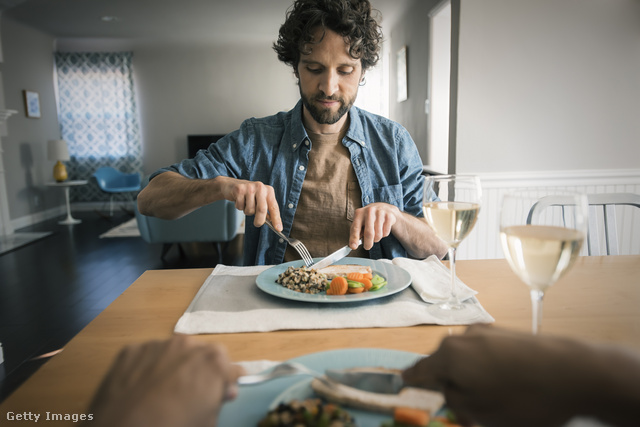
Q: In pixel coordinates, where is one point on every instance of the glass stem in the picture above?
(536, 310)
(453, 300)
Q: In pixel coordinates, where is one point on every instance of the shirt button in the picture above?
(295, 145)
(301, 168)
(306, 143)
(281, 240)
(366, 199)
(290, 205)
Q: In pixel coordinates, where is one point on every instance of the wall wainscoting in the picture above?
(484, 241)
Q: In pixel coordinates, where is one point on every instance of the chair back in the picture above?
(112, 180)
(602, 218)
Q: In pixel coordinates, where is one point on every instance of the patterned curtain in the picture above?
(98, 117)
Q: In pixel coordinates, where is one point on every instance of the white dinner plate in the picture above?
(253, 402)
(398, 279)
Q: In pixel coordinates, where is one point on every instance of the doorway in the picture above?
(438, 104)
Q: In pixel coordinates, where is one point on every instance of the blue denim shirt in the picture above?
(275, 151)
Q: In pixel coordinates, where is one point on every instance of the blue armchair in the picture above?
(217, 222)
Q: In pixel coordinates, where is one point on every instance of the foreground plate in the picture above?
(398, 279)
(253, 402)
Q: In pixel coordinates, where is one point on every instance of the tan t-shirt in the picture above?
(330, 195)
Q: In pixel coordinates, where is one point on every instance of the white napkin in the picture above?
(432, 280)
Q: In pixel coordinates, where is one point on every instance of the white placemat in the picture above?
(229, 301)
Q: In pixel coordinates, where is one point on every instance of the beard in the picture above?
(325, 116)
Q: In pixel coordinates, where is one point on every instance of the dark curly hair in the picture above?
(352, 19)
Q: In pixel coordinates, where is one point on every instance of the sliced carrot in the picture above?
(358, 275)
(411, 416)
(367, 284)
(339, 285)
(355, 290)
(361, 277)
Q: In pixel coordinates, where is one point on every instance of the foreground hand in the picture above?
(501, 378)
(372, 223)
(252, 198)
(178, 382)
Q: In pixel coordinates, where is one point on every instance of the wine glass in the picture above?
(451, 204)
(541, 234)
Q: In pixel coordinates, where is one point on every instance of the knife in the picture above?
(336, 256)
(374, 381)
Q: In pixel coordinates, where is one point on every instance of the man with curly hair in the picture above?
(325, 172)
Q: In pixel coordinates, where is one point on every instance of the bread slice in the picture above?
(341, 394)
(342, 270)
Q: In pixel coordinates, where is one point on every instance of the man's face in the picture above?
(329, 79)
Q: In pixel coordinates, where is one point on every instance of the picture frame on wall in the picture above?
(401, 61)
(31, 104)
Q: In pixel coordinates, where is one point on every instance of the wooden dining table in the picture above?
(598, 301)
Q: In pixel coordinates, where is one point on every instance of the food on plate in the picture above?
(338, 286)
(335, 279)
(377, 282)
(403, 417)
(307, 413)
(344, 269)
(303, 279)
(411, 416)
(410, 397)
(361, 278)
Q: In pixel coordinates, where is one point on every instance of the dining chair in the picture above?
(112, 181)
(602, 217)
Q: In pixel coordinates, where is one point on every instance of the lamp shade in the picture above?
(57, 150)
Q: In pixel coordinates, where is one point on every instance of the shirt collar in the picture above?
(299, 133)
(356, 131)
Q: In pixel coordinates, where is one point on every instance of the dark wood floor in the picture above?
(53, 287)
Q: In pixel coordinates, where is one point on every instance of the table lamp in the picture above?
(57, 150)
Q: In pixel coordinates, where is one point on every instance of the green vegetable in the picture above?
(377, 280)
(354, 284)
(379, 285)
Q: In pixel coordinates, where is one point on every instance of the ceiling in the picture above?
(189, 21)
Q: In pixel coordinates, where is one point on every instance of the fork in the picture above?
(280, 370)
(295, 244)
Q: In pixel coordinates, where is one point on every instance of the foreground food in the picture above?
(307, 413)
(424, 400)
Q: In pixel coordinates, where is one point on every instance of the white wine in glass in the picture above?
(541, 236)
(451, 204)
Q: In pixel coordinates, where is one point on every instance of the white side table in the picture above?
(69, 220)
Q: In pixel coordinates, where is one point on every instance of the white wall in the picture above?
(548, 85)
(28, 65)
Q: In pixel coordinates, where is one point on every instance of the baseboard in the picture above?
(61, 211)
(38, 217)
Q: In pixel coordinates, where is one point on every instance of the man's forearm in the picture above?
(171, 195)
(417, 237)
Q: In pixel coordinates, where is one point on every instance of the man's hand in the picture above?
(375, 221)
(178, 382)
(493, 376)
(253, 198)
(371, 223)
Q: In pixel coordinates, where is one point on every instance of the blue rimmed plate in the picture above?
(253, 402)
(398, 279)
